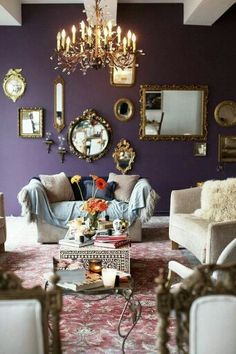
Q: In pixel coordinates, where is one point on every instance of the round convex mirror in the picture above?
(89, 136)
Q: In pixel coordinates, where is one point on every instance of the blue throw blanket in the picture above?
(34, 202)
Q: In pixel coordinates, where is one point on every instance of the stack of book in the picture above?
(111, 241)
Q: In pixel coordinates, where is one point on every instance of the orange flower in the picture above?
(101, 183)
(94, 205)
(94, 177)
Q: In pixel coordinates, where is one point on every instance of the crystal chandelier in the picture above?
(95, 45)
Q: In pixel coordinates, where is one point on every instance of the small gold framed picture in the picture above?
(30, 122)
(122, 78)
(199, 149)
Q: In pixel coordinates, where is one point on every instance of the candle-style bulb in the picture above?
(73, 30)
(63, 38)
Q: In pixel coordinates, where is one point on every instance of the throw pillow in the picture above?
(125, 185)
(218, 200)
(106, 194)
(57, 187)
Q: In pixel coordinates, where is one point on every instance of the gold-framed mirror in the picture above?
(225, 113)
(89, 136)
(59, 110)
(124, 109)
(123, 156)
(173, 112)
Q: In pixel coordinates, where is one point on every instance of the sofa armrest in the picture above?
(220, 234)
(185, 201)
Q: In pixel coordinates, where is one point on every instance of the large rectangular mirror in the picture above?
(171, 112)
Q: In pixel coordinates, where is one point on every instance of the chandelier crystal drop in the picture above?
(95, 45)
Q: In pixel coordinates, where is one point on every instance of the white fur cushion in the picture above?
(57, 187)
(218, 200)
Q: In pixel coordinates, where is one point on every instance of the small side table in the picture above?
(118, 258)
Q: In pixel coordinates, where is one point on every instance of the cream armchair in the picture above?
(2, 224)
(205, 239)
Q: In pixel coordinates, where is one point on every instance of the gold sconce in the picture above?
(49, 142)
(61, 148)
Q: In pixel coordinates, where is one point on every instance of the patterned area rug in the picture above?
(89, 325)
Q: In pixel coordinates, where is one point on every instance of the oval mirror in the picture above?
(123, 109)
(89, 136)
(123, 156)
(59, 119)
(225, 113)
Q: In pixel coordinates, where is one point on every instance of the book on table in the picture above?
(74, 277)
(113, 244)
(75, 243)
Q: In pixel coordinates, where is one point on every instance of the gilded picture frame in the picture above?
(123, 78)
(30, 122)
(200, 149)
(226, 148)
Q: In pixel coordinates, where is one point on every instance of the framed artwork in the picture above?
(122, 78)
(227, 148)
(30, 122)
(199, 149)
(153, 100)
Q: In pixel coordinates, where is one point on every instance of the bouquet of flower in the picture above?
(93, 206)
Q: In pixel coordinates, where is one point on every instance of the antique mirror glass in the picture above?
(123, 109)
(123, 156)
(225, 113)
(171, 112)
(89, 136)
(59, 119)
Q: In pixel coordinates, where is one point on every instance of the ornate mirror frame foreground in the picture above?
(84, 123)
(157, 107)
(123, 156)
(59, 109)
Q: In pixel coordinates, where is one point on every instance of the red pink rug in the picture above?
(90, 326)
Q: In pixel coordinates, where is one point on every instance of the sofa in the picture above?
(2, 224)
(192, 226)
(129, 197)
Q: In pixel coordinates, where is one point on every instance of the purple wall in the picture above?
(175, 54)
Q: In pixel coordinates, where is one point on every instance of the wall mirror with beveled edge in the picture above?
(59, 110)
(123, 109)
(225, 113)
(123, 156)
(89, 136)
(173, 112)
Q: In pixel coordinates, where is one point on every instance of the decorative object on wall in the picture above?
(123, 156)
(225, 113)
(199, 149)
(124, 109)
(14, 84)
(123, 78)
(30, 122)
(62, 147)
(99, 45)
(182, 110)
(89, 136)
(226, 148)
(59, 111)
(48, 141)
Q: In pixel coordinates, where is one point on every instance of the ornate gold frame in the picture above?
(119, 116)
(59, 126)
(123, 147)
(228, 105)
(123, 78)
(14, 84)
(144, 88)
(90, 115)
(22, 131)
(226, 148)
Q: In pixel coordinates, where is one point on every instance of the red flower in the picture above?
(101, 183)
